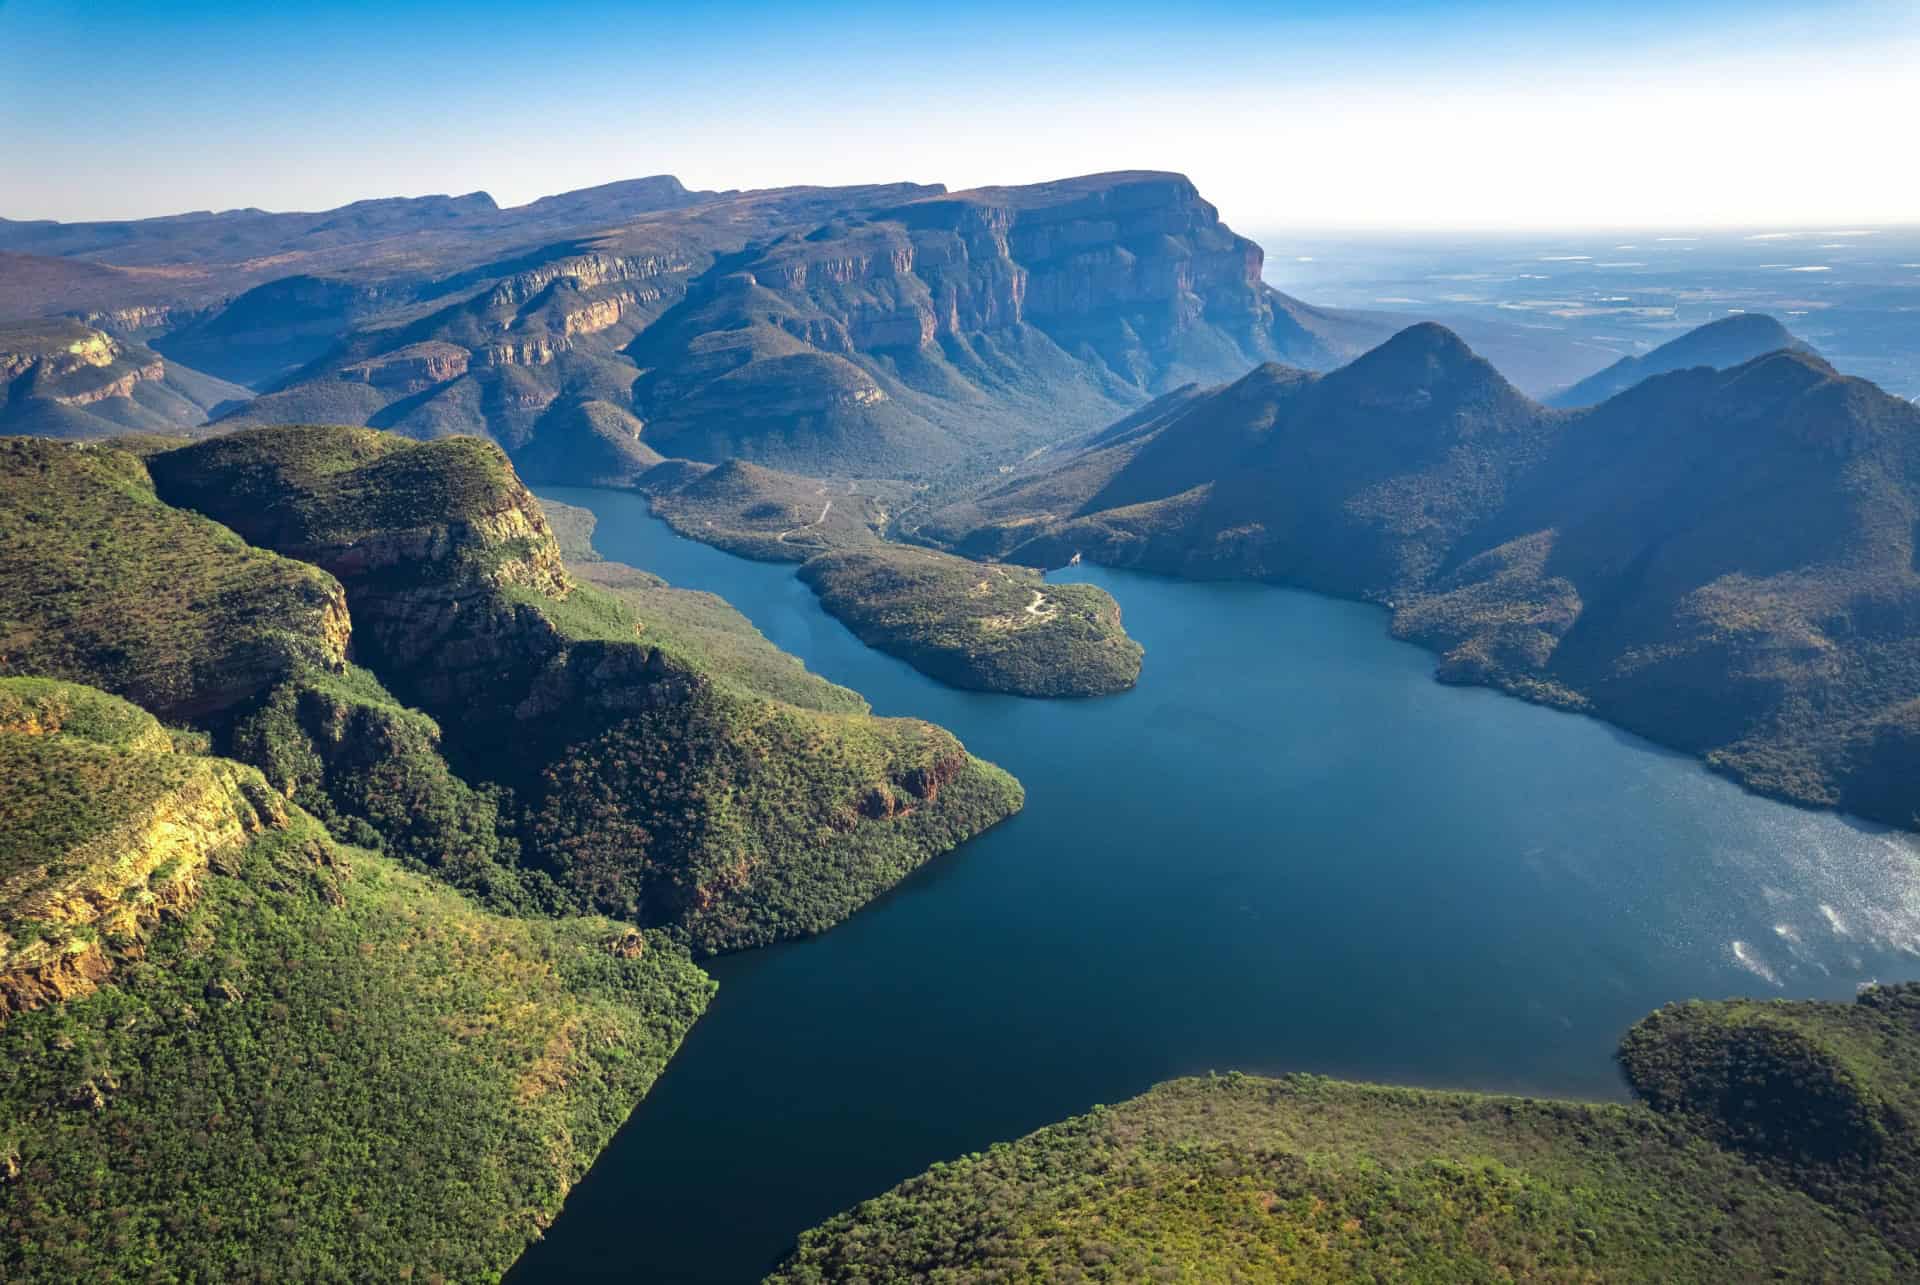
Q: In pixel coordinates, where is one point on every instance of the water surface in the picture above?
(1287, 849)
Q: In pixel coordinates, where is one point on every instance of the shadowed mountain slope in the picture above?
(65, 379)
(1720, 560)
(1719, 344)
(856, 331)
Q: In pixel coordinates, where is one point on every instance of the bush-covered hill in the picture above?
(1721, 560)
(988, 628)
(233, 1050)
(1822, 1097)
(765, 514)
(994, 628)
(649, 780)
(1305, 1179)
(103, 583)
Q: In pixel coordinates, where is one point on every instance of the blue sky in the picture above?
(1312, 115)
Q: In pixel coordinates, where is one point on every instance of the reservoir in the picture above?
(1288, 849)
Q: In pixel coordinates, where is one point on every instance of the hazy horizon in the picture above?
(1310, 116)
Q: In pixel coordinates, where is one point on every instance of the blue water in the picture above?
(1287, 849)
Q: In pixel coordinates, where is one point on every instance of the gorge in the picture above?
(1285, 842)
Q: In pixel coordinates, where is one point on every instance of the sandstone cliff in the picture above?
(107, 829)
(648, 782)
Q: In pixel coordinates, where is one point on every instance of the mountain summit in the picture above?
(1718, 344)
(1723, 560)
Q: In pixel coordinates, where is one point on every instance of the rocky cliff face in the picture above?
(649, 785)
(872, 331)
(91, 875)
(1126, 262)
(71, 364)
(954, 324)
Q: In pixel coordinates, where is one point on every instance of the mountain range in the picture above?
(894, 330)
(366, 832)
(1720, 559)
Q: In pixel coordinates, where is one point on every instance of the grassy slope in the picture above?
(321, 1067)
(762, 513)
(103, 583)
(739, 819)
(994, 628)
(654, 778)
(1308, 1179)
(58, 792)
(699, 628)
(955, 620)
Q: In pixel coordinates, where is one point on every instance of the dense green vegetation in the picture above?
(989, 628)
(995, 628)
(735, 819)
(344, 749)
(1823, 1097)
(103, 583)
(635, 750)
(702, 630)
(1607, 559)
(312, 1065)
(1238, 1178)
(74, 763)
(310, 487)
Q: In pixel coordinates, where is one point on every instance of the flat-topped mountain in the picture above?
(234, 236)
(894, 330)
(64, 379)
(940, 329)
(397, 643)
(1721, 560)
(1718, 344)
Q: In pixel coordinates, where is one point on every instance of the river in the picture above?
(1287, 849)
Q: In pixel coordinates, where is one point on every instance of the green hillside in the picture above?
(1305, 1179)
(1721, 560)
(276, 1057)
(662, 763)
(991, 627)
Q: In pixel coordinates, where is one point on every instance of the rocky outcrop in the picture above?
(521, 352)
(584, 271)
(79, 903)
(143, 319)
(71, 364)
(1140, 247)
(412, 369)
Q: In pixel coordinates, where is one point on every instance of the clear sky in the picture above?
(1405, 113)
